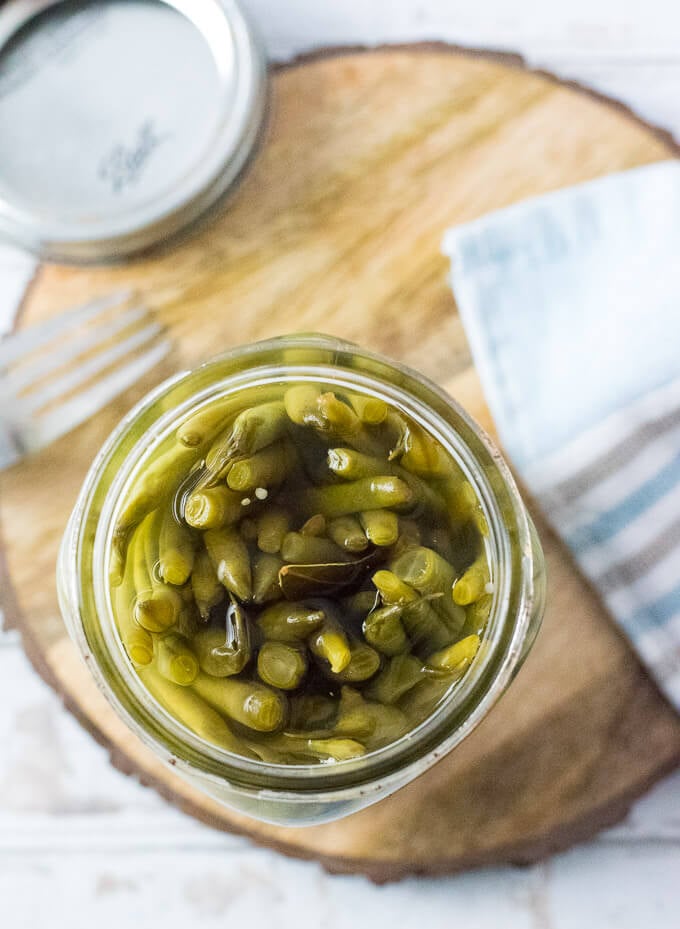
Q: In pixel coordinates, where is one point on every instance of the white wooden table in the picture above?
(81, 845)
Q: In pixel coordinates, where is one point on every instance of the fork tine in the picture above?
(18, 380)
(29, 404)
(29, 339)
(58, 422)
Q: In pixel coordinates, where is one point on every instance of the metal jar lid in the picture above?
(121, 121)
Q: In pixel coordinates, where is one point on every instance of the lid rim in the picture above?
(222, 160)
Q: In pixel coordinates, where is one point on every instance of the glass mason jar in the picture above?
(302, 794)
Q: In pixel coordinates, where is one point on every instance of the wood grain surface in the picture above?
(368, 158)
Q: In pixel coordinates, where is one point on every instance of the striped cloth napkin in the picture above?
(571, 303)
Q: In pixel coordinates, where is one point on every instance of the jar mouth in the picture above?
(340, 365)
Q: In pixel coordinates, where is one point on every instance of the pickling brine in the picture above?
(299, 573)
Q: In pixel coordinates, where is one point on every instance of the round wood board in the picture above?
(368, 158)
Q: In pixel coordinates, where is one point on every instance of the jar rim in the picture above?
(479, 688)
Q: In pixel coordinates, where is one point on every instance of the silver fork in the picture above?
(47, 388)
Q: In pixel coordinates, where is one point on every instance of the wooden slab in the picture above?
(368, 158)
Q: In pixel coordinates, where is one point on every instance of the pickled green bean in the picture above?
(371, 410)
(281, 665)
(245, 702)
(213, 508)
(175, 659)
(370, 493)
(229, 554)
(194, 712)
(383, 630)
(205, 584)
(266, 585)
(176, 550)
(268, 466)
(472, 585)
(218, 655)
(305, 549)
(381, 526)
(289, 622)
(401, 674)
(330, 644)
(272, 525)
(456, 658)
(346, 532)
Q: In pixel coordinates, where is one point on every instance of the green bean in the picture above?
(453, 616)
(213, 508)
(381, 527)
(370, 410)
(425, 456)
(425, 570)
(176, 551)
(314, 526)
(401, 674)
(364, 662)
(156, 483)
(289, 622)
(258, 427)
(266, 585)
(338, 420)
(429, 573)
(329, 643)
(246, 702)
(472, 585)
(205, 584)
(301, 402)
(229, 555)
(157, 605)
(456, 658)
(272, 525)
(370, 493)
(460, 497)
(285, 745)
(397, 431)
(392, 589)
(383, 630)
(337, 415)
(353, 716)
(337, 749)
(477, 614)
(281, 665)
(175, 660)
(353, 465)
(194, 712)
(420, 621)
(204, 425)
(306, 549)
(137, 642)
(374, 723)
(252, 430)
(221, 655)
(420, 701)
(268, 466)
(346, 532)
(311, 711)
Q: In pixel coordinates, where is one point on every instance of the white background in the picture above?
(81, 845)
